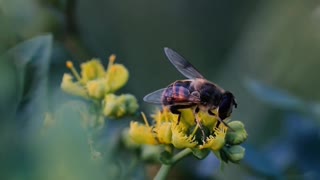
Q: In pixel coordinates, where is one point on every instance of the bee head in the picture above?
(226, 105)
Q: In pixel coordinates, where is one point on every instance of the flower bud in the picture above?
(119, 106)
(111, 106)
(238, 133)
(130, 102)
(234, 153)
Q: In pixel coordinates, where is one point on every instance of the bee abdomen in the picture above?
(176, 93)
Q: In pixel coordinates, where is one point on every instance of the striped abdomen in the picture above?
(177, 93)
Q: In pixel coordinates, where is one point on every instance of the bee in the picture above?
(196, 93)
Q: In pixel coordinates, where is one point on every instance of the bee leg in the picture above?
(196, 111)
(175, 110)
(219, 120)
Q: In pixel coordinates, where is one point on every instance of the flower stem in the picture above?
(165, 168)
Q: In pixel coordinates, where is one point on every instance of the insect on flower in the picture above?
(196, 93)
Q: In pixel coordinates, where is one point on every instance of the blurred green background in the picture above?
(265, 52)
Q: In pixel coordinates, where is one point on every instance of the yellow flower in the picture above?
(96, 88)
(91, 70)
(181, 140)
(187, 118)
(166, 116)
(208, 120)
(163, 116)
(127, 139)
(164, 133)
(187, 134)
(142, 134)
(71, 87)
(217, 140)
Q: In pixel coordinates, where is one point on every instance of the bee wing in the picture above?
(182, 65)
(154, 97)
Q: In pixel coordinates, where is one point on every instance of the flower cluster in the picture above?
(224, 142)
(99, 84)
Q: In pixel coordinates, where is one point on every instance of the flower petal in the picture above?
(142, 134)
(71, 87)
(96, 88)
(116, 77)
(217, 140)
(91, 70)
(164, 133)
(181, 139)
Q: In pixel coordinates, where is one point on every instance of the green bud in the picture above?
(119, 106)
(234, 153)
(131, 103)
(237, 134)
(110, 105)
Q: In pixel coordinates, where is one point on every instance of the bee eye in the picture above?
(225, 106)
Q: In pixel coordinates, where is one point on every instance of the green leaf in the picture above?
(223, 156)
(273, 96)
(30, 60)
(200, 153)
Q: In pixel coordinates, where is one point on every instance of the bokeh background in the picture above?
(265, 52)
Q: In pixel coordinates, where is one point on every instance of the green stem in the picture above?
(165, 168)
